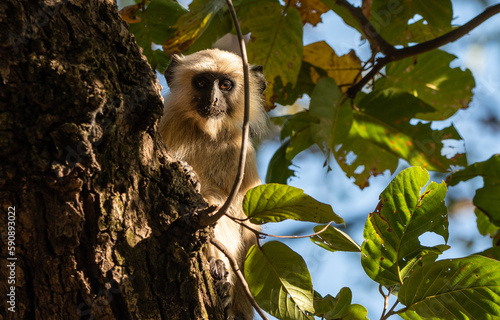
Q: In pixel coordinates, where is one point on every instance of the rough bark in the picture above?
(102, 214)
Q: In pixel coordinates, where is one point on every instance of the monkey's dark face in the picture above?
(212, 93)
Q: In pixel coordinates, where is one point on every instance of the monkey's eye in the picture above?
(201, 82)
(226, 85)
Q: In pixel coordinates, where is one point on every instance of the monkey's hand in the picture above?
(222, 286)
(193, 178)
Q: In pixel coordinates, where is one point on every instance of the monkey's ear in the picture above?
(258, 73)
(169, 73)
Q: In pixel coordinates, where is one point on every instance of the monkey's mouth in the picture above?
(210, 111)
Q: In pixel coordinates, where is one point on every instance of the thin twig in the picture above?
(391, 311)
(381, 62)
(377, 41)
(386, 314)
(260, 233)
(211, 219)
(386, 301)
(239, 274)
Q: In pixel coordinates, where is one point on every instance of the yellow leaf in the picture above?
(343, 69)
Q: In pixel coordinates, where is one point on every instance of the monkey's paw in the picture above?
(193, 178)
(222, 286)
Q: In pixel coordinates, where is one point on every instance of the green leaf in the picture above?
(421, 31)
(154, 27)
(390, 18)
(466, 288)
(489, 170)
(430, 78)
(279, 281)
(296, 123)
(334, 118)
(276, 202)
(487, 198)
(381, 134)
(333, 308)
(220, 25)
(160, 60)
(156, 20)
(355, 312)
(192, 25)
(484, 225)
(333, 239)
(275, 42)
(286, 94)
(278, 170)
(298, 128)
(492, 253)
(391, 247)
(438, 13)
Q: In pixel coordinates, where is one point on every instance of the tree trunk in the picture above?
(95, 217)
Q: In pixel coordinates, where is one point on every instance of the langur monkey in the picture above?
(202, 125)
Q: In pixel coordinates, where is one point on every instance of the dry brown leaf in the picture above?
(310, 10)
(128, 13)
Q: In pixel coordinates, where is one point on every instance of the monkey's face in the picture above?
(207, 89)
(212, 94)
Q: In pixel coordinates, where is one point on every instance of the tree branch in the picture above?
(238, 273)
(206, 220)
(379, 64)
(376, 41)
(450, 36)
(386, 314)
(391, 311)
(386, 301)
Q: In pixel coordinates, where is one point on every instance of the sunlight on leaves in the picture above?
(218, 27)
(381, 134)
(191, 25)
(430, 78)
(402, 215)
(275, 202)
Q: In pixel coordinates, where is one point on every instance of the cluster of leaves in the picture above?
(391, 255)
(366, 133)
